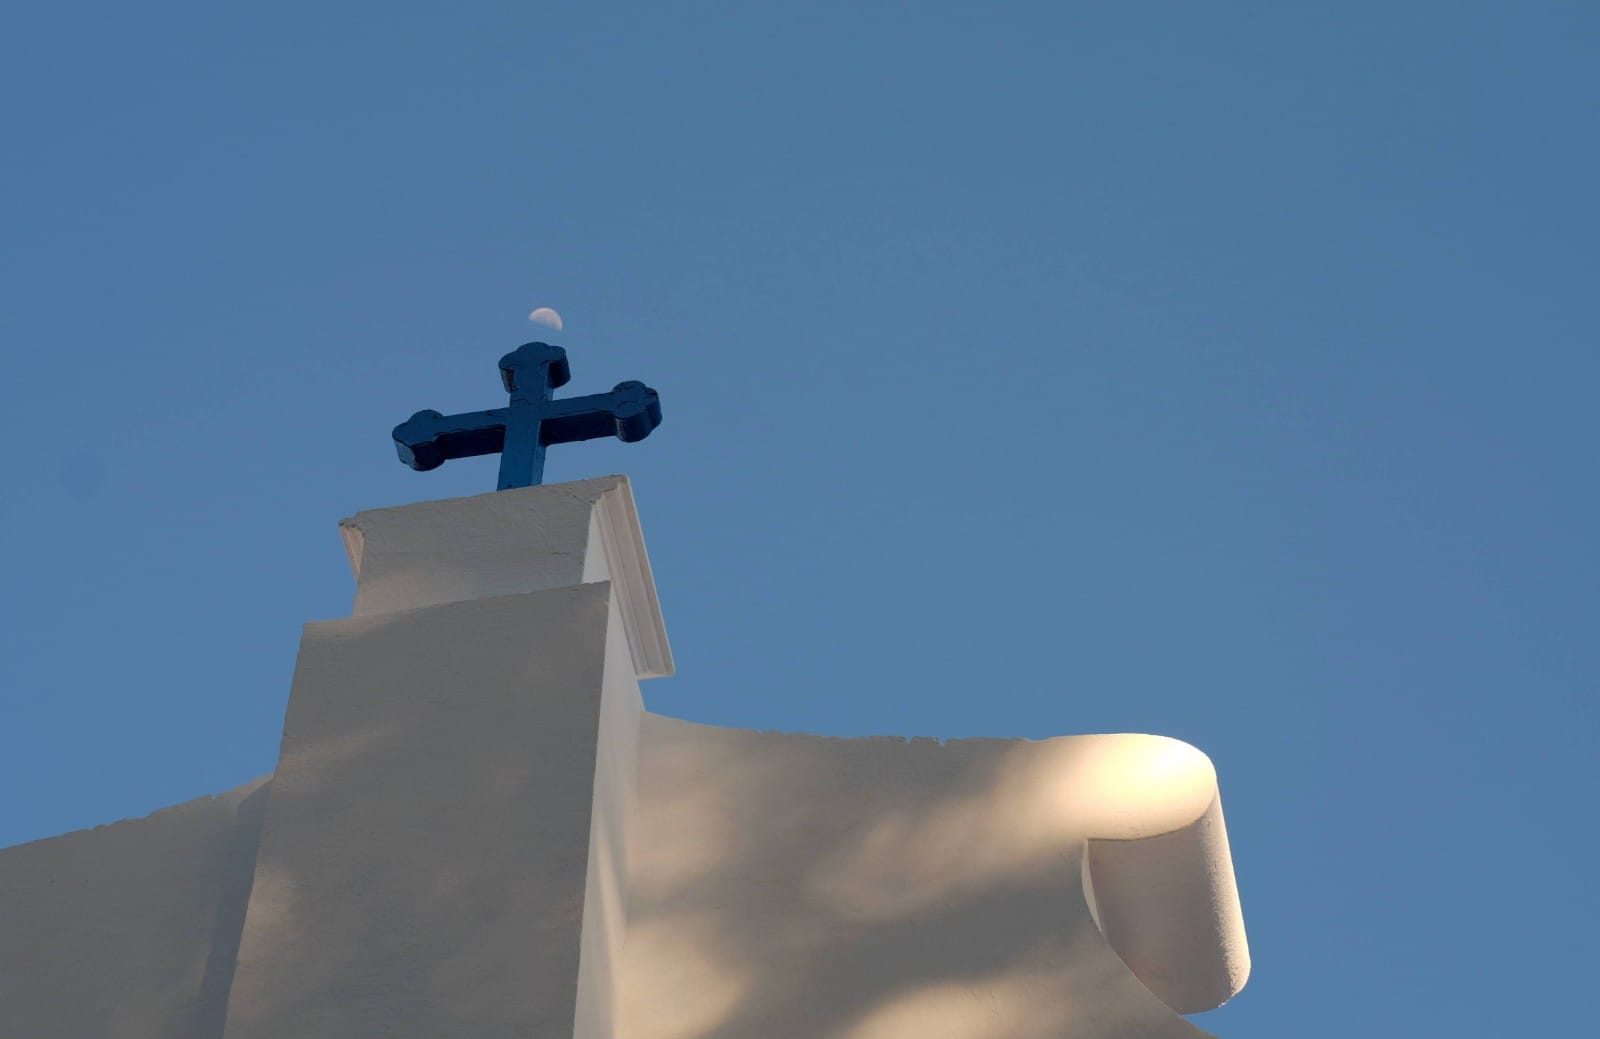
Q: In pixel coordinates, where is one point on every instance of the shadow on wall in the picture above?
(781, 886)
(233, 898)
(788, 886)
(421, 837)
(128, 930)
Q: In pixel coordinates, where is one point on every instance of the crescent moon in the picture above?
(546, 316)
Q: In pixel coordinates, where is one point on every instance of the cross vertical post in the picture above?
(530, 381)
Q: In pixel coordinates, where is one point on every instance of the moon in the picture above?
(547, 317)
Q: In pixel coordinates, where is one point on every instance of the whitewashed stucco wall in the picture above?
(473, 829)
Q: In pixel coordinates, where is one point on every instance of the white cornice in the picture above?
(622, 537)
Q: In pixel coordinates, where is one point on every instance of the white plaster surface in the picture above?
(605, 901)
(128, 931)
(521, 540)
(426, 850)
(789, 886)
(475, 830)
(1169, 906)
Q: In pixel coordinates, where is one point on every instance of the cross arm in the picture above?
(629, 412)
(428, 439)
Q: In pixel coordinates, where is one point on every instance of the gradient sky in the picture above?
(1220, 371)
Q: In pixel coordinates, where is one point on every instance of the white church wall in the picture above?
(520, 540)
(474, 829)
(128, 931)
(424, 860)
(605, 903)
(795, 887)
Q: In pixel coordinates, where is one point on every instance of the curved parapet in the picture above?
(801, 887)
(1157, 873)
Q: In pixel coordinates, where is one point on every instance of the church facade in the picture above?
(476, 828)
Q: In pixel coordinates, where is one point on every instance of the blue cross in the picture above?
(532, 422)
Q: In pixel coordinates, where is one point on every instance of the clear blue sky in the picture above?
(1221, 371)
